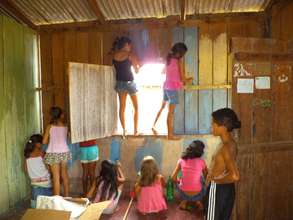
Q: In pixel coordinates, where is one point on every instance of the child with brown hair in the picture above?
(149, 188)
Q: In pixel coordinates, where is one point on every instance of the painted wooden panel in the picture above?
(205, 111)
(92, 101)
(205, 78)
(4, 204)
(19, 114)
(191, 70)
(220, 65)
(178, 36)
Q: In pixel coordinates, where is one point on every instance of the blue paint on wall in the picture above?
(152, 147)
(75, 152)
(115, 149)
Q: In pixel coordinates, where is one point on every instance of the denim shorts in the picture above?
(126, 86)
(195, 197)
(171, 96)
(89, 154)
(39, 191)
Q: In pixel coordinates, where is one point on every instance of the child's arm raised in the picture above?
(46, 135)
(175, 172)
(135, 62)
(120, 177)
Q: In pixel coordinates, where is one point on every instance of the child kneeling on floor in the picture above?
(191, 185)
(149, 188)
(35, 167)
(108, 185)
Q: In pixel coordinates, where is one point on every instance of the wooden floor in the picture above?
(173, 213)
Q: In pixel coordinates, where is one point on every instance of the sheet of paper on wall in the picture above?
(263, 82)
(245, 85)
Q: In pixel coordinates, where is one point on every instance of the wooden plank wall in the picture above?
(265, 187)
(281, 20)
(93, 46)
(261, 123)
(19, 109)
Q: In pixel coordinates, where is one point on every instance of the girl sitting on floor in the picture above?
(35, 167)
(108, 185)
(191, 185)
(149, 188)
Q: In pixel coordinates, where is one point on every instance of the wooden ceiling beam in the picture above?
(15, 12)
(183, 10)
(97, 11)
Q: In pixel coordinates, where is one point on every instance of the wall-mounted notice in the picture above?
(245, 85)
(263, 82)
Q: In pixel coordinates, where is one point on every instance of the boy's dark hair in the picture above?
(55, 113)
(226, 117)
(194, 150)
(177, 49)
(108, 176)
(120, 42)
(30, 144)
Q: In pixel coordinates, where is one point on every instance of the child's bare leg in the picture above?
(65, 178)
(158, 116)
(170, 122)
(85, 175)
(92, 172)
(135, 116)
(55, 170)
(122, 105)
(199, 205)
(183, 204)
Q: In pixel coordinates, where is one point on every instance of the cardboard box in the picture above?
(92, 212)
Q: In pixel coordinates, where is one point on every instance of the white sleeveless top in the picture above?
(38, 172)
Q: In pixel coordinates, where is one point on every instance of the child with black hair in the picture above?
(175, 78)
(108, 185)
(191, 185)
(36, 168)
(224, 172)
(123, 60)
(57, 153)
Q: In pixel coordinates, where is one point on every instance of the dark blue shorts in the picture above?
(193, 198)
(126, 86)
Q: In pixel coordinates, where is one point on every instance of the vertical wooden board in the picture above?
(4, 204)
(205, 78)
(82, 47)
(140, 40)
(46, 74)
(205, 111)
(178, 36)
(95, 47)
(58, 70)
(220, 98)
(15, 118)
(282, 91)
(191, 70)
(262, 115)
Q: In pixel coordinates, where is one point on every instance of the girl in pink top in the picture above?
(57, 153)
(149, 188)
(193, 168)
(174, 82)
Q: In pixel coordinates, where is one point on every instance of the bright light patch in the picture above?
(150, 74)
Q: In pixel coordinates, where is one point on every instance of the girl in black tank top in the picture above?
(123, 70)
(122, 61)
